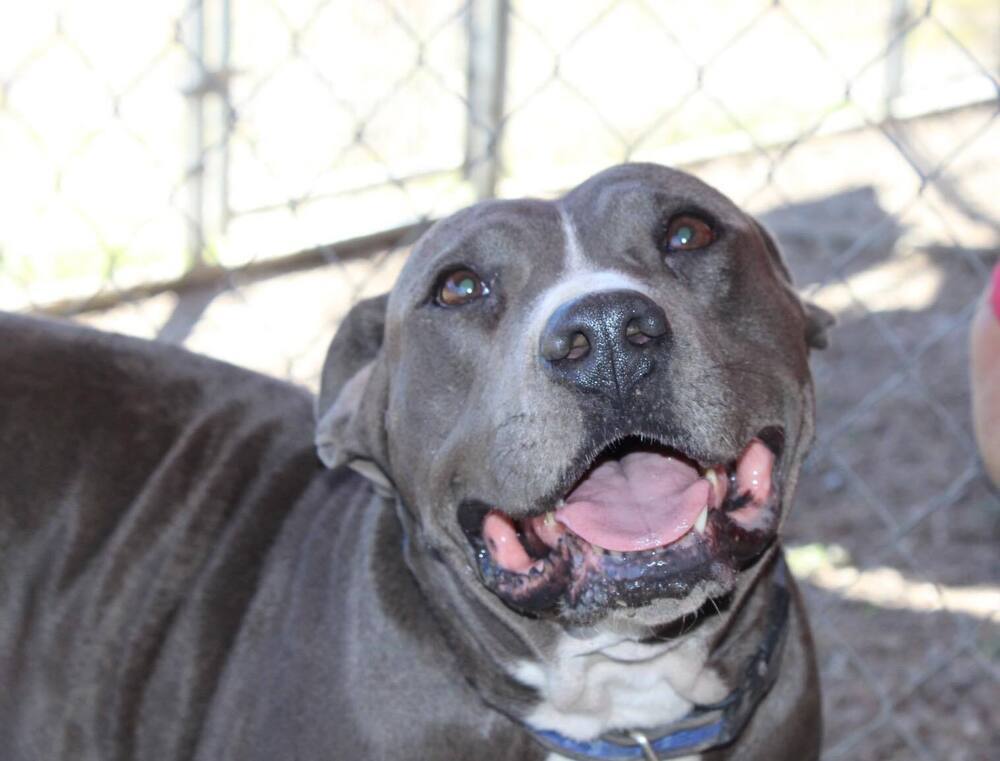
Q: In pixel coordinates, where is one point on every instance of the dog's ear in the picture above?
(350, 411)
(818, 320)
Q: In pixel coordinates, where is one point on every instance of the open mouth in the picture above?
(643, 522)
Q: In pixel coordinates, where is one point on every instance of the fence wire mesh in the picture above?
(232, 176)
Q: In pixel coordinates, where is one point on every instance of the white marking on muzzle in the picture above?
(573, 287)
(575, 259)
(578, 278)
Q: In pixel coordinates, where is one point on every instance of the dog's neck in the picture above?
(584, 683)
(598, 682)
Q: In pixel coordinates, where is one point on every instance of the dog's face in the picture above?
(594, 408)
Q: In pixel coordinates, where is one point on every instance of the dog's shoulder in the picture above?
(141, 490)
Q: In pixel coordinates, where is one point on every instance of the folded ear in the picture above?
(818, 320)
(350, 411)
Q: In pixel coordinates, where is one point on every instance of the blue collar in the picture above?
(705, 727)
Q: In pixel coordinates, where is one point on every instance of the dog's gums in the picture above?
(642, 523)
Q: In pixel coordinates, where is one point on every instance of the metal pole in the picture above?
(207, 34)
(193, 30)
(894, 59)
(227, 116)
(487, 68)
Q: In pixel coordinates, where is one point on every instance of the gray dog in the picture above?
(578, 426)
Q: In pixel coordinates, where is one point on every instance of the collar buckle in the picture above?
(643, 742)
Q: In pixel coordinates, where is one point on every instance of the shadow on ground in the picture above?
(895, 481)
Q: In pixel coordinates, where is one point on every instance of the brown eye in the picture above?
(686, 233)
(461, 287)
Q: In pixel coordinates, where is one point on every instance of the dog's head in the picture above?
(592, 408)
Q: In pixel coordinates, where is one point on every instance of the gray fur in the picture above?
(471, 414)
(181, 579)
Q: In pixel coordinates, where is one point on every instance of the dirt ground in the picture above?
(894, 482)
(907, 638)
(895, 529)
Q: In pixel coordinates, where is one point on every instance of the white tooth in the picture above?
(550, 519)
(712, 478)
(699, 525)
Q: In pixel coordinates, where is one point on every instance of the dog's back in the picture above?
(140, 489)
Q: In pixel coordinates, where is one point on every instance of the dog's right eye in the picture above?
(460, 287)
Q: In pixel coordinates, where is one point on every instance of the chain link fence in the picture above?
(232, 176)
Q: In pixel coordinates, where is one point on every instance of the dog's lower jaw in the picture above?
(546, 675)
(543, 676)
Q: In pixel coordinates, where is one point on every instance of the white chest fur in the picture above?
(554, 757)
(601, 682)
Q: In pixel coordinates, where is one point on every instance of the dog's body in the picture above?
(180, 578)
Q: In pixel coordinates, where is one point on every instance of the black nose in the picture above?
(603, 342)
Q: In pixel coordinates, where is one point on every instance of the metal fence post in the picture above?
(192, 31)
(487, 68)
(227, 115)
(895, 55)
(206, 32)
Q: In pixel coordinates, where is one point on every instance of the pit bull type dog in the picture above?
(559, 455)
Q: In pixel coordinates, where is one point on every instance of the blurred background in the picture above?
(232, 175)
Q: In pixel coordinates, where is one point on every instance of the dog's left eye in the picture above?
(461, 287)
(687, 232)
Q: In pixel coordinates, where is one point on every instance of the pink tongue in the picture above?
(642, 501)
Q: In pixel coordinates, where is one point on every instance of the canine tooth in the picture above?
(699, 525)
(712, 478)
(550, 519)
